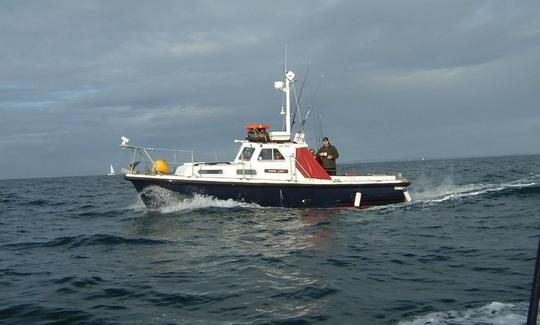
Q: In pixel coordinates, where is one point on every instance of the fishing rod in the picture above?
(295, 106)
(320, 125)
(316, 124)
(316, 120)
(304, 121)
(312, 121)
(298, 101)
(304, 82)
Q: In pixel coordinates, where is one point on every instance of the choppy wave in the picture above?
(495, 313)
(32, 312)
(94, 254)
(77, 241)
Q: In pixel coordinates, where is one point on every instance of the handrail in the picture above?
(145, 151)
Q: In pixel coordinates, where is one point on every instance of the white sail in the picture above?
(112, 171)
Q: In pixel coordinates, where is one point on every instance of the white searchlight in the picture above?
(124, 141)
(279, 85)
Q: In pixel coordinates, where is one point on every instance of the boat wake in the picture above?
(496, 313)
(450, 192)
(427, 195)
(166, 201)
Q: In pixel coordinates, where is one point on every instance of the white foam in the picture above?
(169, 201)
(160, 195)
(201, 201)
(495, 313)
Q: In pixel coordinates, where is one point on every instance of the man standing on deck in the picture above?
(328, 155)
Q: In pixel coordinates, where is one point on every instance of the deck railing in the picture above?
(143, 161)
(141, 156)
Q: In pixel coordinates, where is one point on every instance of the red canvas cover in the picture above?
(308, 165)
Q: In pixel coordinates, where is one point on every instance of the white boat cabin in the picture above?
(259, 157)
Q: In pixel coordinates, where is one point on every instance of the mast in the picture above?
(289, 78)
(286, 88)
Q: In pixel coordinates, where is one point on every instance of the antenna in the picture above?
(285, 62)
(284, 101)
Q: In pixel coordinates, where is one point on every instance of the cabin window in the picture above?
(278, 155)
(210, 171)
(246, 172)
(246, 154)
(270, 154)
(266, 154)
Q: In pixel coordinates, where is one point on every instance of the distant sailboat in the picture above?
(112, 173)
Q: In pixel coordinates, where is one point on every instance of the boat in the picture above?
(271, 168)
(111, 173)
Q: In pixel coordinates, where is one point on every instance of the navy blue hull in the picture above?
(279, 195)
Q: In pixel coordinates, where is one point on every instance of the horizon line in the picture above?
(344, 163)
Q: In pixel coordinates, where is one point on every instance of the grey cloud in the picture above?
(398, 80)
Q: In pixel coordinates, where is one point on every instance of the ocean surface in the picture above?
(85, 250)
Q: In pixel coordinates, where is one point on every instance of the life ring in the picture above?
(257, 126)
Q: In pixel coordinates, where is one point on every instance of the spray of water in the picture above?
(166, 201)
(429, 194)
(426, 193)
(201, 202)
(495, 313)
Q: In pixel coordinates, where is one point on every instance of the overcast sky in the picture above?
(392, 79)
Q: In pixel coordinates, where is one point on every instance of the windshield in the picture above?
(246, 154)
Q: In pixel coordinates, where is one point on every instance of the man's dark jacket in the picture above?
(331, 151)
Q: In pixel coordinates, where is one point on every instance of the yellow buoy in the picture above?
(161, 167)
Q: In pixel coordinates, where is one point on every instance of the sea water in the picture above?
(85, 250)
